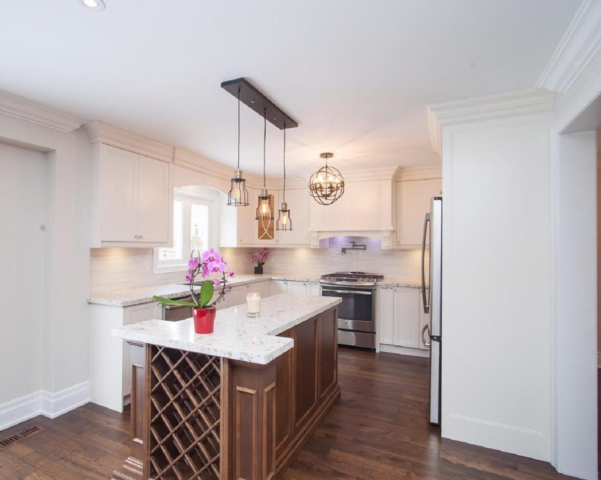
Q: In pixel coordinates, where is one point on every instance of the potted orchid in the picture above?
(260, 258)
(209, 263)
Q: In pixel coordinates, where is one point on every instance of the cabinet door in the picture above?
(385, 314)
(279, 286)
(305, 361)
(298, 288)
(118, 195)
(299, 205)
(237, 296)
(413, 202)
(406, 317)
(153, 200)
(246, 223)
(314, 288)
(424, 320)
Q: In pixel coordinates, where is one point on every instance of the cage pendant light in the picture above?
(327, 184)
(264, 210)
(284, 221)
(238, 195)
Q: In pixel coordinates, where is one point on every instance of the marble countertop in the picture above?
(126, 297)
(236, 336)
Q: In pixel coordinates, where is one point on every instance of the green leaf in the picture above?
(168, 301)
(206, 293)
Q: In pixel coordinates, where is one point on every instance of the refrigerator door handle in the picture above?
(424, 296)
(424, 330)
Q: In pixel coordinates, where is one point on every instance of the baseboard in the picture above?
(45, 403)
(498, 436)
(414, 352)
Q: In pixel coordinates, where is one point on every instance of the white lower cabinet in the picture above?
(400, 318)
(110, 368)
(295, 287)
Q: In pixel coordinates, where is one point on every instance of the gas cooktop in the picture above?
(351, 278)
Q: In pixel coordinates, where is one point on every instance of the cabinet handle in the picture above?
(141, 236)
(136, 236)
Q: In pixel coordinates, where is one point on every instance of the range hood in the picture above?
(367, 209)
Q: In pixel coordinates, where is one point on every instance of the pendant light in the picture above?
(238, 195)
(264, 212)
(284, 221)
(327, 184)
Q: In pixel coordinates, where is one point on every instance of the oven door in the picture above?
(356, 312)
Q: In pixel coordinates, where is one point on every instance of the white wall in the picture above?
(22, 253)
(576, 360)
(66, 273)
(497, 285)
(113, 268)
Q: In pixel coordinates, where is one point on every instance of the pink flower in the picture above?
(193, 263)
(211, 256)
(189, 277)
(231, 273)
(216, 282)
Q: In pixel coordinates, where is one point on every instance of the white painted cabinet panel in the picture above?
(424, 320)
(314, 288)
(385, 314)
(298, 288)
(406, 317)
(118, 192)
(279, 286)
(300, 213)
(132, 202)
(153, 200)
(413, 202)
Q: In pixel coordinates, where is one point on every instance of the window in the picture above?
(194, 217)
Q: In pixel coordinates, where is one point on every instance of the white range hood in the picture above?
(367, 209)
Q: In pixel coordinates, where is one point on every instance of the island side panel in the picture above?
(310, 383)
(248, 452)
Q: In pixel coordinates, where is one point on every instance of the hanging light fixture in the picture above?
(264, 212)
(327, 184)
(284, 221)
(238, 195)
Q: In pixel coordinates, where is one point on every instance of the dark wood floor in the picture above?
(378, 431)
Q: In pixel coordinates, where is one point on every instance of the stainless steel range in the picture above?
(357, 312)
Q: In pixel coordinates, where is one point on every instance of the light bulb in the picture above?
(95, 5)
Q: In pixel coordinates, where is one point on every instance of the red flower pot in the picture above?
(204, 319)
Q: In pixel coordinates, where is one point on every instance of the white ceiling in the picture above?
(356, 74)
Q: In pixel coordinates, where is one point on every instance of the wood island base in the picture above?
(206, 417)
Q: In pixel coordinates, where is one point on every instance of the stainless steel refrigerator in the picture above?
(432, 298)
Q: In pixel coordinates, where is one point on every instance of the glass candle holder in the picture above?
(253, 304)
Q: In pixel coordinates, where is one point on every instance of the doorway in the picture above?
(22, 272)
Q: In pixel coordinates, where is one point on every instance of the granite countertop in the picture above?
(400, 282)
(126, 297)
(236, 336)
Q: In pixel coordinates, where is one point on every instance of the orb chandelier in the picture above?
(327, 184)
(238, 195)
(284, 221)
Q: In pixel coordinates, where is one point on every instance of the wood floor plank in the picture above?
(378, 431)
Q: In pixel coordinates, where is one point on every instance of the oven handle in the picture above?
(357, 292)
(175, 307)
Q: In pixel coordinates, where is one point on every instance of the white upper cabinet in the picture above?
(118, 199)
(153, 200)
(413, 202)
(131, 200)
(299, 204)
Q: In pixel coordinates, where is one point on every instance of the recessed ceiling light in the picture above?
(94, 5)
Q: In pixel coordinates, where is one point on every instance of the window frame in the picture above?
(188, 198)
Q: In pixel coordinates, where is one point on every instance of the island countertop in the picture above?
(236, 336)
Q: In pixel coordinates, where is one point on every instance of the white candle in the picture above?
(253, 304)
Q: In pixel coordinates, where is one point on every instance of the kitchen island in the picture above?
(236, 404)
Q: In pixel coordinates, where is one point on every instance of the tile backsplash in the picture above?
(114, 268)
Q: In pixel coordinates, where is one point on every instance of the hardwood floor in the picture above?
(378, 431)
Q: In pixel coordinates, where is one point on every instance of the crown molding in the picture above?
(24, 109)
(578, 46)
(365, 175)
(486, 107)
(427, 172)
(100, 132)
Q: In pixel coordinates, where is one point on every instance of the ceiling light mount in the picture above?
(253, 98)
(93, 5)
